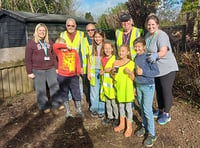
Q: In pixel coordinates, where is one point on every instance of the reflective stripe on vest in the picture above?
(84, 55)
(92, 70)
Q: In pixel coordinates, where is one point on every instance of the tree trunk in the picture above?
(45, 4)
(0, 4)
(196, 23)
(31, 5)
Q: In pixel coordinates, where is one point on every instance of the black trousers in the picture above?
(164, 85)
(86, 88)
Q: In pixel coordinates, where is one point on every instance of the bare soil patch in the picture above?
(23, 126)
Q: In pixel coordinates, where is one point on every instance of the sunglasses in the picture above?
(90, 30)
(71, 26)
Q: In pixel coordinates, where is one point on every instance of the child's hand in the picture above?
(135, 92)
(127, 70)
(101, 72)
(139, 70)
(107, 69)
(69, 47)
(56, 70)
(63, 49)
(82, 71)
(89, 76)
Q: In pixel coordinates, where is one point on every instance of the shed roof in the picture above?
(28, 17)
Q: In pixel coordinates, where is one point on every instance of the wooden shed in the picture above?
(17, 27)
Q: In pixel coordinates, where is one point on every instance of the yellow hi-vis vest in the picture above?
(85, 48)
(136, 32)
(92, 68)
(76, 44)
(124, 84)
(107, 86)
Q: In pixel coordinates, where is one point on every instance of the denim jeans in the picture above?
(145, 94)
(96, 104)
(41, 77)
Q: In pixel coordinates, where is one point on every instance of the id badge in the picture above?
(46, 58)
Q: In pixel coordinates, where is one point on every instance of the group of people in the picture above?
(113, 75)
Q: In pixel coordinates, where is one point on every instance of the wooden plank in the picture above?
(18, 77)
(24, 80)
(30, 83)
(1, 85)
(12, 81)
(6, 88)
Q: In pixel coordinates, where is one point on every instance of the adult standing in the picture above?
(41, 65)
(159, 47)
(127, 34)
(86, 47)
(73, 40)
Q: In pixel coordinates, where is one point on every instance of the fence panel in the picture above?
(5, 81)
(14, 81)
(18, 77)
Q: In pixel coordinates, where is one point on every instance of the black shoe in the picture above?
(115, 122)
(94, 114)
(107, 121)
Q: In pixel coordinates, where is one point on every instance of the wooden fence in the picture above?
(14, 80)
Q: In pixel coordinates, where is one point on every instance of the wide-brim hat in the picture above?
(125, 17)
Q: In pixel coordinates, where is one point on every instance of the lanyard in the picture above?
(125, 40)
(150, 39)
(44, 46)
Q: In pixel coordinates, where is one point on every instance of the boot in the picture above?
(121, 125)
(79, 109)
(128, 131)
(67, 107)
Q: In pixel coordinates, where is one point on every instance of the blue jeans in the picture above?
(145, 94)
(96, 104)
(41, 77)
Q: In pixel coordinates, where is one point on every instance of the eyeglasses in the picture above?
(90, 30)
(71, 26)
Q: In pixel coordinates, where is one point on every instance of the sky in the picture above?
(96, 7)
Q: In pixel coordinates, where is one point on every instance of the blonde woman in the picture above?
(41, 65)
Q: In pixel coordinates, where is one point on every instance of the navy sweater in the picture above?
(150, 70)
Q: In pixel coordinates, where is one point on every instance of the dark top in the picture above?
(34, 56)
(150, 70)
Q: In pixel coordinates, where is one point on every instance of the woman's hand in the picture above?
(31, 75)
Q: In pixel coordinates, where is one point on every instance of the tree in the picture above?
(89, 16)
(190, 8)
(43, 6)
(111, 20)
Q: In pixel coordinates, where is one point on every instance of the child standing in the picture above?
(108, 93)
(144, 79)
(97, 107)
(69, 69)
(124, 76)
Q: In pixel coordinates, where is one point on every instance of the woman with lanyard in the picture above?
(160, 51)
(41, 65)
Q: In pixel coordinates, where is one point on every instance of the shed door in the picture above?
(3, 35)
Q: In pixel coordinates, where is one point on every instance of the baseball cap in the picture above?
(125, 17)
